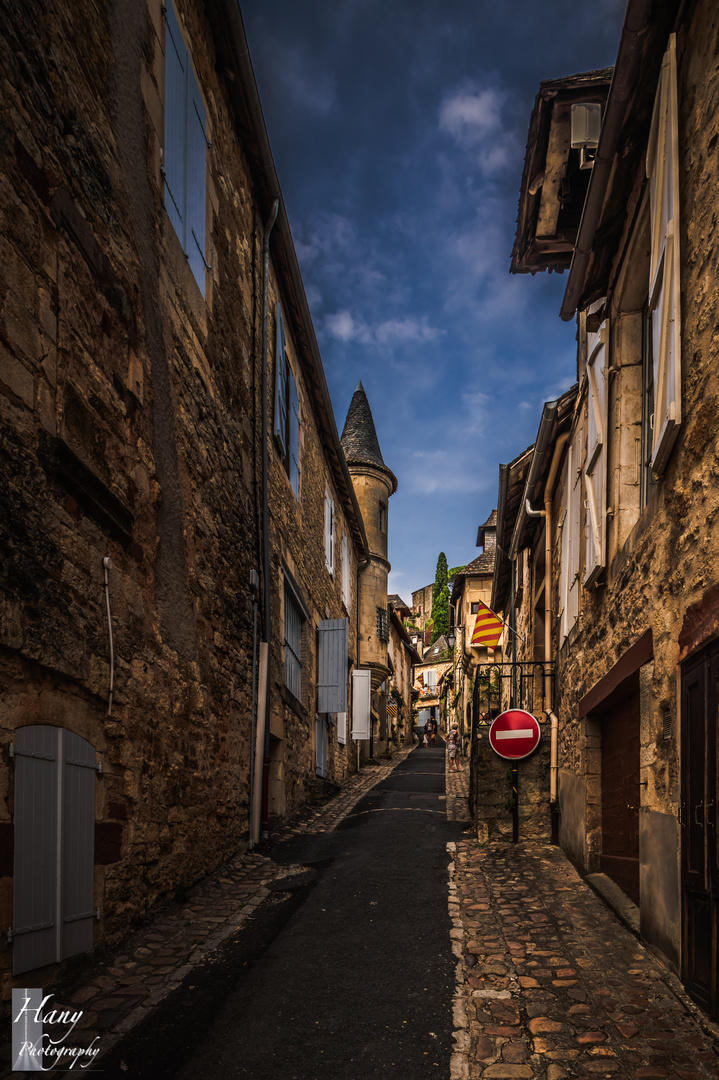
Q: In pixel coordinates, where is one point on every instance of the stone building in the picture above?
(625, 482)
(182, 545)
(422, 611)
(402, 657)
(374, 484)
(472, 586)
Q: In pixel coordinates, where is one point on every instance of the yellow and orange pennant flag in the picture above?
(488, 628)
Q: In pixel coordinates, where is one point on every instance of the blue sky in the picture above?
(398, 131)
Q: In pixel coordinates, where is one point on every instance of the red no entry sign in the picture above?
(514, 734)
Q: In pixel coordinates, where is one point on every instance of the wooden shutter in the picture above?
(342, 728)
(176, 65)
(281, 384)
(332, 681)
(54, 824)
(196, 173)
(294, 447)
(361, 700)
(78, 844)
(346, 591)
(595, 471)
(664, 274)
(575, 479)
(329, 533)
(34, 936)
(566, 548)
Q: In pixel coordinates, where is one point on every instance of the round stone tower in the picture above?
(373, 483)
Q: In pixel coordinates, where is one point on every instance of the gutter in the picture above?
(624, 80)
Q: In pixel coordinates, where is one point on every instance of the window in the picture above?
(293, 645)
(664, 279)
(345, 571)
(383, 624)
(185, 151)
(474, 607)
(595, 473)
(287, 409)
(329, 533)
(383, 517)
(430, 679)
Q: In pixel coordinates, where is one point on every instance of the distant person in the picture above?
(427, 731)
(433, 731)
(453, 749)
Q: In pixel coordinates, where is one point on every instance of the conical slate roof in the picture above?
(359, 438)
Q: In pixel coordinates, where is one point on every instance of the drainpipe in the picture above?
(360, 567)
(263, 727)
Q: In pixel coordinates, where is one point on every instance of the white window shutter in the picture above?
(664, 277)
(332, 681)
(346, 593)
(342, 728)
(361, 701)
(564, 570)
(575, 527)
(595, 471)
(329, 533)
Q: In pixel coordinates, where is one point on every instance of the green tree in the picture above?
(440, 614)
(440, 577)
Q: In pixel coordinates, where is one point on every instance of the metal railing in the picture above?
(528, 685)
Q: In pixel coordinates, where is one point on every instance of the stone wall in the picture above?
(491, 795)
(129, 428)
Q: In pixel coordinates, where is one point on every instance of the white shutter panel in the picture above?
(345, 571)
(596, 467)
(361, 700)
(332, 682)
(664, 277)
(575, 527)
(342, 728)
(564, 578)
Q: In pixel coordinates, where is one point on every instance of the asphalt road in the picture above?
(344, 973)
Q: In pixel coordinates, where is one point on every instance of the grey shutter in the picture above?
(176, 65)
(280, 384)
(294, 407)
(78, 844)
(196, 172)
(54, 825)
(36, 847)
(361, 702)
(332, 682)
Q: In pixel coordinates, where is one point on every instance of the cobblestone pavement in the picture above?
(152, 962)
(551, 985)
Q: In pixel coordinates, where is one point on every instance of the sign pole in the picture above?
(515, 803)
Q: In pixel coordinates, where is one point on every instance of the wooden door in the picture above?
(700, 891)
(620, 795)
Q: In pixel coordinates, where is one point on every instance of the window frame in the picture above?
(293, 650)
(185, 148)
(287, 414)
(662, 169)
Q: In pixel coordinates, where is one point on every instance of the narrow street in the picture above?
(347, 968)
(381, 939)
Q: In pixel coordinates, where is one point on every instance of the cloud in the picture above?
(473, 117)
(470, 117)
(345, 327)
